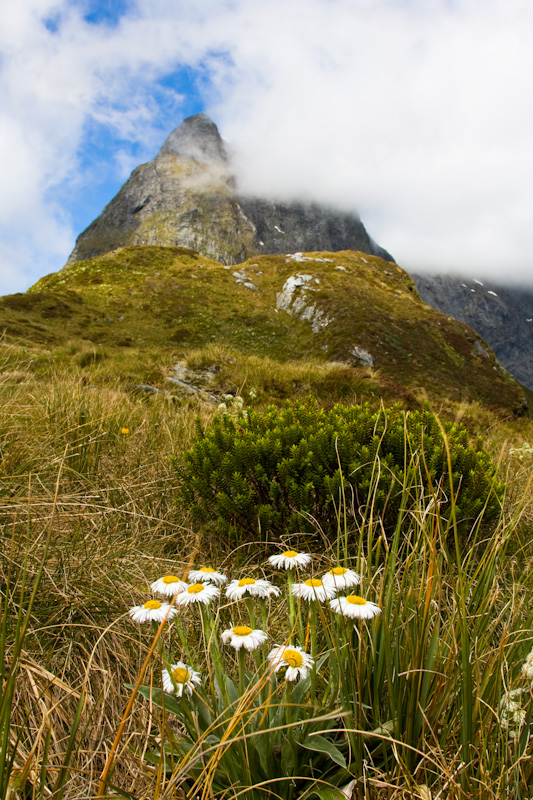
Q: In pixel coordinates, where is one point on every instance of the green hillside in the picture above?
(354, 327)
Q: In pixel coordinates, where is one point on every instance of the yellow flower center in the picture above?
(181, 675)
(355, 600)
(152, 604)
(293, 658)
(338, 571)
(246, 581)
(290, 553)
(207, 569)
(196, 588)
(313, 582)
(170, 579)
(242, 630)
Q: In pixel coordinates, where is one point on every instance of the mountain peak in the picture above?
(198, 138)
(187, 197)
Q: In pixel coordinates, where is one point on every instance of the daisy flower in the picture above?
(314, 589)
(169, 585)
(290, 559)
(341, 578)
(296, 660)
(257, 588)
(207, 575)
(243, 636)
(179, 679)
(197, 593)
(354, 607)
(152, 611)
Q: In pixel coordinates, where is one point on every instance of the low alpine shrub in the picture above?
(263, 472)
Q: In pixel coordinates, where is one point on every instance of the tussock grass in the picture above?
(89, 519)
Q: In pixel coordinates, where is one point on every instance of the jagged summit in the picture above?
(198, 138)
(187, 197)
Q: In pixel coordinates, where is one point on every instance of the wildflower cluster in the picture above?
(206, 584)
(276, 675)
(231, 404)
(513, 701)
(521, 452)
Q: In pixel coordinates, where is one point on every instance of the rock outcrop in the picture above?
(503, 316)
(187, 197)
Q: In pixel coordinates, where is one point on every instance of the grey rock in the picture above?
(294, 300)
(500, 315)
(145, 387)
(196, 138)
(362, 356)
(187, 197)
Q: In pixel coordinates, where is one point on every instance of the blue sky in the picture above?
(415, 113)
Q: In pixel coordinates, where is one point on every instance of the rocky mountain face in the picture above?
(502, 316)
(187, 196)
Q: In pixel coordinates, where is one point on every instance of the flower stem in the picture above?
(213, 653)
(291, 605)
(313, 648)
(251, 611)
(242, 660)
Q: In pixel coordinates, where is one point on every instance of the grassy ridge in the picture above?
(138, 310)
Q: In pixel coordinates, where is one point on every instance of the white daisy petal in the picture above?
(296, 661)
(256, 588)
(197, 593)
(180, 679)
(207, 575)
(290, 559)
(169, 585)
(314, 589)
(527, 667)
(152, 611)
(355, 607)
(244, 636)
(341, 578)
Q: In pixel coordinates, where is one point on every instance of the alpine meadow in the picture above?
(266, 515)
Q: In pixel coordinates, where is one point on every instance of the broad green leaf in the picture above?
(231, 689)
(288, 761)
(322, 745)
(205, 718)
(172, 704)
(301, 688)
(324, 793)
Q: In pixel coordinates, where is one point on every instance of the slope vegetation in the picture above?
(358, 320)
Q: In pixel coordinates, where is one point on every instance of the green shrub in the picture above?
(261, 472)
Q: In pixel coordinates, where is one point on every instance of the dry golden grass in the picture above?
(109, 499)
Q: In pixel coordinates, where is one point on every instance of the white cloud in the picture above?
(415, 112)
(419, 118)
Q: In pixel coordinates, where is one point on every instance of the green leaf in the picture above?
(324, 793)
(300, 690)
(171, 704)
(205, 718)
(231, 689)
(322, 745)
(387, 729)
(288, 760)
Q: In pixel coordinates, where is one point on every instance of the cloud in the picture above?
(414, 112)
